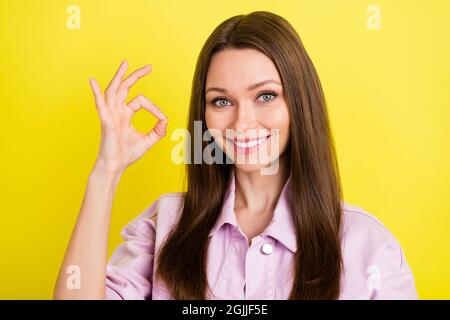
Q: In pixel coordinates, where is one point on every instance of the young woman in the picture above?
(236, 233)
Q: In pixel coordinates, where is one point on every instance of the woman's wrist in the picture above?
(106, 173)
(104, 168)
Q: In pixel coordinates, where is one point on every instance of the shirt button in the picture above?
(267, 248)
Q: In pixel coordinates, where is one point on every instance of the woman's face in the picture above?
(244, 99)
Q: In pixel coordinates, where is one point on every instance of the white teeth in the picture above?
(249, 144)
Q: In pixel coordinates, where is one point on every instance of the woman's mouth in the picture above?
(249, 145)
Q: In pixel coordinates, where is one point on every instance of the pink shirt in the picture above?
(374, 263)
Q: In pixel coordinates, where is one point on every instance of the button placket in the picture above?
(231, 275)
(268, 249)
(258, 273)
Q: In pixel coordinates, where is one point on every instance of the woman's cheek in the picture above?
(278, 121)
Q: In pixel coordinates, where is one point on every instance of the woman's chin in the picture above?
(267, 167)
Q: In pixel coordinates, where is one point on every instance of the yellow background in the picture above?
(387, 92)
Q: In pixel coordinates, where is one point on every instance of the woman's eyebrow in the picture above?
(251, 87)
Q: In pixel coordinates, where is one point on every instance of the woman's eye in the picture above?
(264, 97)
(221, 102)
(267, 96)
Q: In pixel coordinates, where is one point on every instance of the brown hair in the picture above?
(315, 181)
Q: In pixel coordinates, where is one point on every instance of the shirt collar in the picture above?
(281, 227)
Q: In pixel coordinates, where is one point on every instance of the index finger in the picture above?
(142, 101)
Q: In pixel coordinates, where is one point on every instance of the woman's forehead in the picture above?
(240, 68)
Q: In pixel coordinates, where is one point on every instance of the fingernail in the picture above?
(161, 127)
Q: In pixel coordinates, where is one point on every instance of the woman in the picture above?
(271, 225)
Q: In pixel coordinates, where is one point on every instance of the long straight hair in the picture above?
(316, 187)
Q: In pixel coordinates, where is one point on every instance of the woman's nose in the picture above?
(244, 117)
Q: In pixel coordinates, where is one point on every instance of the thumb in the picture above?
(157, 133)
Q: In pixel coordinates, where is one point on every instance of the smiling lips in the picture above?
(247, 145)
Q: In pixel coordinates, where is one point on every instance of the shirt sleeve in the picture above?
(396, 280)
(129, 271)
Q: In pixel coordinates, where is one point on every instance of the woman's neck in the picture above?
(259, 193)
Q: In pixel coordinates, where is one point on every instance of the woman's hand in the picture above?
(121, 145)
